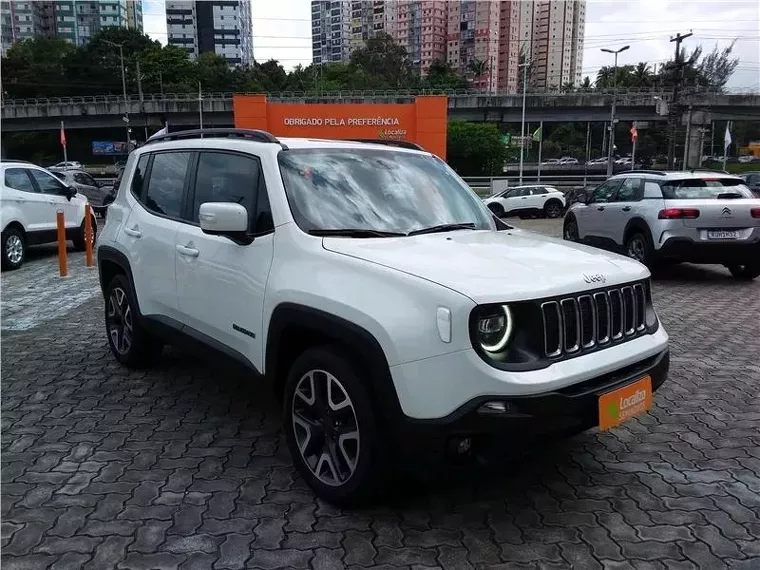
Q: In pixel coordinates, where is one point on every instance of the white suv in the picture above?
(30, 200)
(524, 201)
(393, 314)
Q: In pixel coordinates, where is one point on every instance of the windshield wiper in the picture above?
(443, 228)
(353, 232)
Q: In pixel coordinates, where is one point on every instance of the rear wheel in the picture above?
(553, 209)
(745, 272)
(497, 209)
(638, 247)
(79, 242)
(130, 342)
(331, 428)
(14, 248)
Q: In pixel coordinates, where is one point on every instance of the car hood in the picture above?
(495, 266)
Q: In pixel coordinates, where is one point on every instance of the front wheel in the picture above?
(553, 209)
(331, 429)
(570, 229)
(746, 272)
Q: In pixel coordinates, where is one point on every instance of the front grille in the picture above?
(591, 321)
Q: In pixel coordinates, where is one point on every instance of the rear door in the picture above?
(624, 205)
(724, 203)
(87, 186)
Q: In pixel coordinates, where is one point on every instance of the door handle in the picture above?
(188, 251)
(627, 209)
(600, 208)
(523, 198)
(134, 232)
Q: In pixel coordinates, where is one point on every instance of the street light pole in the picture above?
(524, 65)
(612, 113)
(123, 85)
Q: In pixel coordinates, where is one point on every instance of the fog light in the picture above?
(464, 446)
(495, 408)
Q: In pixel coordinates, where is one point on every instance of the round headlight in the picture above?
(495, 328)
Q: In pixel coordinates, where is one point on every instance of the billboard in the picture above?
(101, 148)
(423, 121)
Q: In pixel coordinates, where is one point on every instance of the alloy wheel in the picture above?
(553, 211)
(571, 231)
(636, 249)
(119, 320)
(14, 249)
(326, 428)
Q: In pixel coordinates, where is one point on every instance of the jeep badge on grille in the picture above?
(595, 278)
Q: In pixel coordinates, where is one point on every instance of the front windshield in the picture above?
(377, 190)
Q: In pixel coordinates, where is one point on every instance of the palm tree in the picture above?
(604, 77)
(568, 87)
(586, 85)
(642, 75)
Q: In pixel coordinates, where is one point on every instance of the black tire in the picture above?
(497, 210)
(638, 246)
(746, 272)
(131, 344)
(14, 248)
(553, 209)
(570, 229)
(79, 244)
(327, 459)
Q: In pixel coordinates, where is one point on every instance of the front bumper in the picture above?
(723, 252)
(548, 415)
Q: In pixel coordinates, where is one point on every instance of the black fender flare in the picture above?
(106, 255)
(637, 224)
(331, 328)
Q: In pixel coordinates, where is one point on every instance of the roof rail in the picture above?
(391, 142)
(14, 160)
(642, 171)
(699, 169)
(252, 134)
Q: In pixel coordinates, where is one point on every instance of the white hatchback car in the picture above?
(526, 201)
(30, 200)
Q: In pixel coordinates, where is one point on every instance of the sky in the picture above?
(282, 31)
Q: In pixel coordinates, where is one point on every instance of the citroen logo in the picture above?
(595, 278)
(726, 213)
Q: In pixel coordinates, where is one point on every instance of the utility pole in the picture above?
(673, 119)
(123, 86)
(524, 65)
(200, 105)
(611, 147)
(142, 100)
(687, 141)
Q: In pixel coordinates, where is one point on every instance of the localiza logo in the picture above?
(595, 278)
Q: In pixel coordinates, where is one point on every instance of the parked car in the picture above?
(752, 180)
(550, 162)
(85, 185)
(72, 164)
(597, 161)
(654, 216)
(396, 318)
(30, 200)
(524, 201)
(748, 159)
(568, 160)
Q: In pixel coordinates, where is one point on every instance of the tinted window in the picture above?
(138, 178)
(85, 179)
(224, 177)
(18, 179)
(48, 184)
(538, 191)
(605, 191)
(629, 191)
(699, 188)
(167, 183)
(60, 175)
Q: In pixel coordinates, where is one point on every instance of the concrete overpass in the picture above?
(182, 109)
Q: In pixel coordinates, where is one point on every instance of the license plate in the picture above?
(722, 234)
(624, 403)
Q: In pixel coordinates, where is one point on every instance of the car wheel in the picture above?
(553, 209)
(330, 427)
(745, 272)
(638, 247)
(130, 342)
(497, 209)
(79, 239)
(14, 248)
(570, 229)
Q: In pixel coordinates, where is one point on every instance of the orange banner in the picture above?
(424, 121)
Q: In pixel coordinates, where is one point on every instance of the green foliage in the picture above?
(475, 149)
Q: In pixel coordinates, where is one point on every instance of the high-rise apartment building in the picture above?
(472, 42)
(557, 43)
(421, 30)
(330, 31)
(217, 26)
(74, 20)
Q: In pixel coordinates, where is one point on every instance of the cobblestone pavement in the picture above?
(185, 466)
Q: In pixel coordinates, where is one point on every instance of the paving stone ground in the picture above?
(185, 466)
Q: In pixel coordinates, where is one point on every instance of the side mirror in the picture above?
(225, 219)
(68, 191)
(582, 198)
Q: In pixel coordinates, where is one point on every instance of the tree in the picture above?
(642, 75)
(717, 67)
(384, 63)
(36, 67)
(475, 149)
(441, 75)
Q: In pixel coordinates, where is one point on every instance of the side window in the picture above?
(47, 183)
(18, 179)
(226, 177)
(652, 189)
(539, 191)
(630, 191)
(138, 178)
(604, 192)
(167, 183)
(86, 179)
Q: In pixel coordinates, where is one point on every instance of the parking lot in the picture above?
(185, 467)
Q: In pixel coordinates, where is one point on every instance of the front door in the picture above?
(595, 219)
(55, 192)
(221, 283)
(34, 205)
(625, 204)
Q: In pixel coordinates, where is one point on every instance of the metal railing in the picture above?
(484, 185)
(623, 95)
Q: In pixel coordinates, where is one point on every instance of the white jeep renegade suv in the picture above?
(388, 307)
